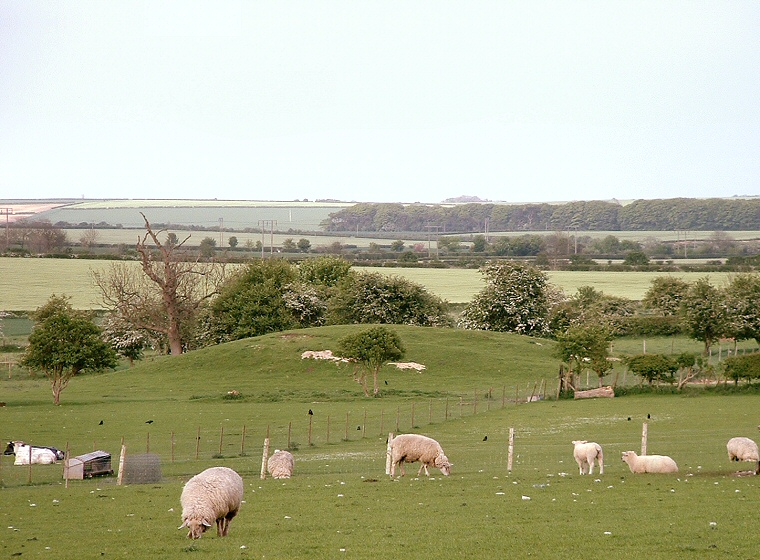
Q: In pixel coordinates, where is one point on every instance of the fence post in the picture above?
(310, 423)
(430, 412)
(290, 427)
(364, 425)
(66, 464)
(412, 416)
(446, 414)
(382, 420)
(198, 443)
(644, 437)
(147, 443)
(264, 456)
(30, 463)
(346, 438)
(511, 449)
(122, 456)
(242, 442)
(221, 439)
(388, 454)
(398, 412)
(172, 447)
(475, 403)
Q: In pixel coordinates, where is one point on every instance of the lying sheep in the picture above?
(410, 448)
(281, 464)
(212, 495)
(743, 449)
(585, 452)
(649, 463)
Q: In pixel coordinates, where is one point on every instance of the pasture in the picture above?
(340, 504)
(25, 284)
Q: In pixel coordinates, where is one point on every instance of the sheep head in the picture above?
(442, 462)
(197, 528)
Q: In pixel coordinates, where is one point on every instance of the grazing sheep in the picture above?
(743, 449)
(585, 452)
(410, 448)
(212, 495)
(281, 464)
(649, 463)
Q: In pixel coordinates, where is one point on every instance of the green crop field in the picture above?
(26, 284)
(340, 503)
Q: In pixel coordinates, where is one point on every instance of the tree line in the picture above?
(174, 304)
(677, 214)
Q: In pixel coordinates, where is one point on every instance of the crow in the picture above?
(100, 423)
(311, 412)
(485, 438)
(149, 421)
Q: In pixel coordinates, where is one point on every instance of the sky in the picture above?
(379, 101)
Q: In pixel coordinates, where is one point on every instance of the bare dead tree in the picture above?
(164, 295)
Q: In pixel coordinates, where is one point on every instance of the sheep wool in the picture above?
(281, 464)
(649, 463)
(410, 448)
(743, 449)
(585, 452)
(212, 495)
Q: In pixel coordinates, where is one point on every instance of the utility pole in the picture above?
(430, 228)
(7, 212)
(263, 224)
(221, 233)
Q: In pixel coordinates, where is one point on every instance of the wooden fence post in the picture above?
(511, 449)
(310, 423)
(198, 443)
(242, 442)
(346, 437)
(388, 454)
(644, 437)
(328, 428)
(412, 416)
(122, 456)
(30, 463)
(290, 428)
(221, 438)
(265, 456)
(147, 443)
(364, 425)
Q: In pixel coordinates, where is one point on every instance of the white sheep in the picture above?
(212, 495)
(411, 448)
(743, 449)
(649, 463)
(281, 464)
(585, 452)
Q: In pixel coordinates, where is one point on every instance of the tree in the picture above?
(515, 299)
(397, 246)
(252, 303)
(743, 303)
(653, 367)
(479, 244)
(704, 313)
(372, 297)
(207, 247)
(586, 346)
(64, 343)
(635, 258)
(742, 367)
(303, 245)
(124, 338)
(166, 298)
(371, 349)
(327, 271)
(232, 241)
(665, 295)
(289, 246)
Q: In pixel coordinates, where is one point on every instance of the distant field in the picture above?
(26, 284)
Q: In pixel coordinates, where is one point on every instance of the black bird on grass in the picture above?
(485, 438)
(149, 421)
(100, 423)
(311, 412)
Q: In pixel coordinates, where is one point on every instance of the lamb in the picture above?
(743, 449)
(212, 495)
(649, 463)
(585, 452)
(281, 464)
(410, 448)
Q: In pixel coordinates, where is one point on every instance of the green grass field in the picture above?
(340, 504)
(26, 284)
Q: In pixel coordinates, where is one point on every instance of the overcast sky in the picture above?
(383, 101)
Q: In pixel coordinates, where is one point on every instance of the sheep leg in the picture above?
(424, 466)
